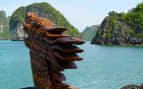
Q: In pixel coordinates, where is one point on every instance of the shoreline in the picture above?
(120, 45)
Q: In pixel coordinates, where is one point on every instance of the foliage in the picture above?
(4, 21)
(5, 34)
(89, 32)
(44, 10)
(17, 17)
(2, 16)
(109, 35)
(133, 19)
(112, 13)
(113, 22)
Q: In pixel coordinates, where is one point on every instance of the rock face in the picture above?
(17, 33)
(4, 25)
(116, 34)
(89, 32)
(2, 20)
(121, 28)
(43, 10)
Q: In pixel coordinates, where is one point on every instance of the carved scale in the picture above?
(51, 52)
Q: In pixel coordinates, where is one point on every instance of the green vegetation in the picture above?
(134, 19)
(122, 27)
(113, 22)
(109, 35)
(43, 10)
(4, 26)
(2, 16)
(17, 17)
(5, 34)
(89, 32)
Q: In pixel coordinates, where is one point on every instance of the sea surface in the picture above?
(103, 67)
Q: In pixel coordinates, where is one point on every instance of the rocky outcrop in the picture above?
(112, 34)
(121, 28)
(89, 32)
(17, 33)
(43, 10)
(4, 25)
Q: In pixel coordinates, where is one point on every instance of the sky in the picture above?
(80, 13)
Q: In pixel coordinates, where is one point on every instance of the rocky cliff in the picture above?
(4, 26)
(89, 32)
(43, 10)
(121, 28)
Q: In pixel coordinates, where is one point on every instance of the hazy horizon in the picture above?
(79, 13)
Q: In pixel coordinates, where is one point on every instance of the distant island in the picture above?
(4, 26)
(115, 29)
(89, 32)
(121, 28)
(11, 27)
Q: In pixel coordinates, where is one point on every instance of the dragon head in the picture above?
(31, 18)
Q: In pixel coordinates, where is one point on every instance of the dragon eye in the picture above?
(32, 16)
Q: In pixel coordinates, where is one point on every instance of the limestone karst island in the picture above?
(71, 44)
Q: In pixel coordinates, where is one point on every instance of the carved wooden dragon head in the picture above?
(51, 52)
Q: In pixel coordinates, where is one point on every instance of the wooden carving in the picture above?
(51, 52)
(133, 87)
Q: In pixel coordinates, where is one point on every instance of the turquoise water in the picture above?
(102, 68)
(15, 70)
